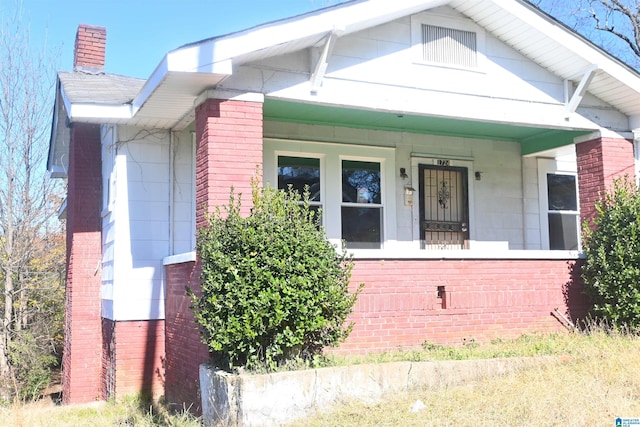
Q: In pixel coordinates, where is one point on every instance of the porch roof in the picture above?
(532, 139)
(167, 98)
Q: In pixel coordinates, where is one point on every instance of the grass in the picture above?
(592, 379)
(596, 378)
(128, 412)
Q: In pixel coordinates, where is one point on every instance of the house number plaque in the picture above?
(444, 162)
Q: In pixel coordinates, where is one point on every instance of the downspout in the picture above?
(171, 181)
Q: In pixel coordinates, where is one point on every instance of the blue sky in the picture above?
(141, 32)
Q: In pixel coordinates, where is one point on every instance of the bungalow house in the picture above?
(455, 146)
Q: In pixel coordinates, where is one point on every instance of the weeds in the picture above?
(594, 379)
(129, 411)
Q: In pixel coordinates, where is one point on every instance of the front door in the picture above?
(444, 214)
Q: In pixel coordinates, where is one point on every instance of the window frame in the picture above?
(319, 157)
(331, 155)
(378, 206)
(555, 167)
(416, 161)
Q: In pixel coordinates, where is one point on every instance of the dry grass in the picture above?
(127, 412)
(596, 378)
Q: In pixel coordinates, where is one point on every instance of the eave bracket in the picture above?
(321, 65)
(572, 100)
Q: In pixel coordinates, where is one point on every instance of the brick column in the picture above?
(229, 149)
(600, 161)
(81, 361)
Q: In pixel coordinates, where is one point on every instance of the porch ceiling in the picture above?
(531, 139)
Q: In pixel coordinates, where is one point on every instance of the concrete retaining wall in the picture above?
(274, 399)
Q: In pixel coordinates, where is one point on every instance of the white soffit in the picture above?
(556, 48)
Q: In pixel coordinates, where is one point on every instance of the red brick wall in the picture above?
(90, 46)
(229, 148)
(133, 357)
(599, 162)
(484, 299)
(184, 350)
(399, 307)
(81, 361)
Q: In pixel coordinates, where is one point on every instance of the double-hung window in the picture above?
(347, 182)
(361, 208)
(301, 174)
(559, 208)
(562, 214)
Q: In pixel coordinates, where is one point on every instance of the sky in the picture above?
(141, 32)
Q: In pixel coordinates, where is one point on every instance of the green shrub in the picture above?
(273, 288)
(30, 366)
(612, 246)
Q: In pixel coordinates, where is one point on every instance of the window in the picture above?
(361, 209)
(558, 203)
(562, 215)
(348, 182)
(301, 174)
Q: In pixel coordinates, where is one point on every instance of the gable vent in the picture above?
(449, 46)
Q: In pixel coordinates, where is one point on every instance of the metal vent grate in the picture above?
(448, 46)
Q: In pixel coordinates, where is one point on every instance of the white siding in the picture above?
(497, 211)
(183, 193)
(107, 137)
(138, 227)
(378, 68)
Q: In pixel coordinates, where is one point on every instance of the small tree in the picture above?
(273, 288)
(612, 246)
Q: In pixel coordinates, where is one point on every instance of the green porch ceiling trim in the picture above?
(532, 139)
(548, 140)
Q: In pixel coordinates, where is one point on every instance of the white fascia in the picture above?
(57, 171)
(79, 111)
(229, 95)
(152, 83)
(209, 55)
(603, 133)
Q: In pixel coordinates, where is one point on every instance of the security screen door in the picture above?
(444, 214)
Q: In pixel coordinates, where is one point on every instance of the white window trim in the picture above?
(553, 166)
(331, 156)
(274, 179)
(194, 231)
(448, 22)
(383, 195)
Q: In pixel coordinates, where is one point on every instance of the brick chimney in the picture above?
(89, 52)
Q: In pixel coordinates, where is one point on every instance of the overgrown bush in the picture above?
(31, 366)
(612, 246)
(273, 288)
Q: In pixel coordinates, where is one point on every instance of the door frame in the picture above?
(464, 173)
(418, 159)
